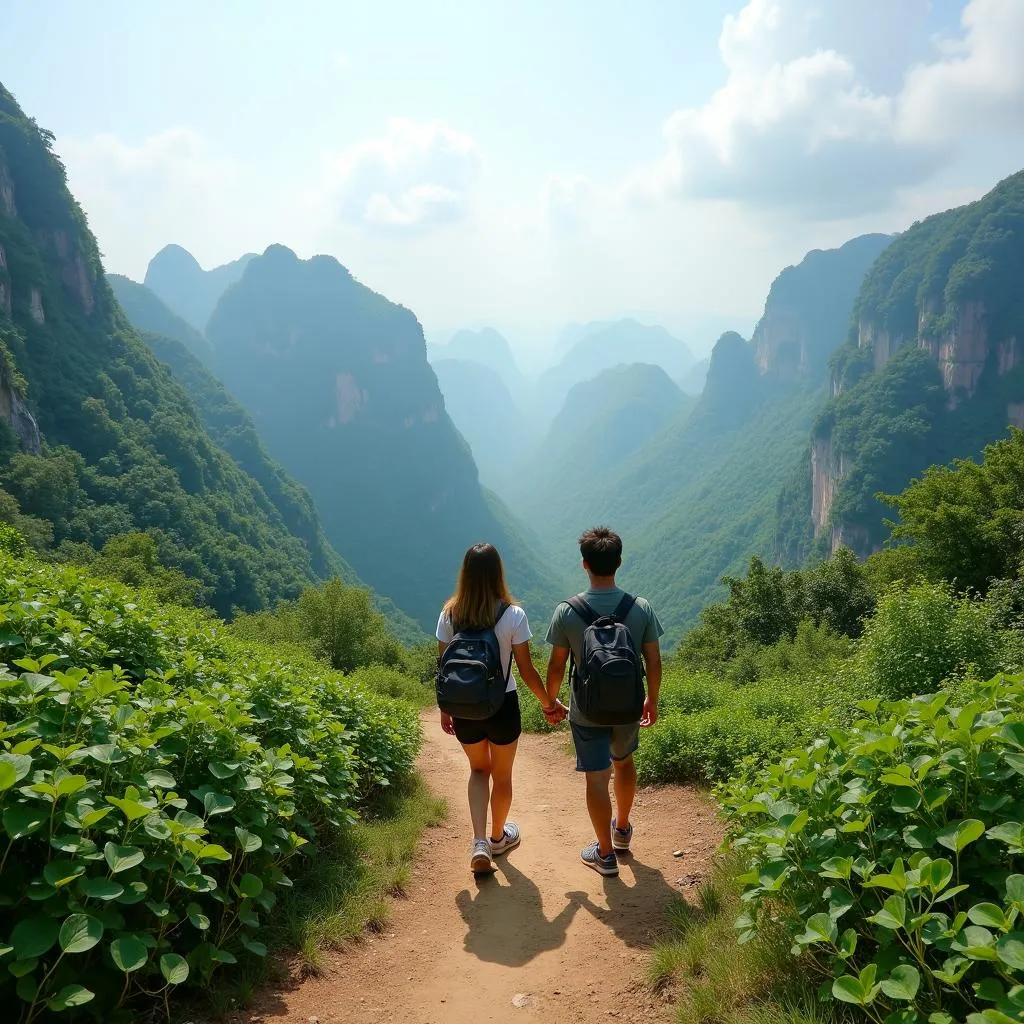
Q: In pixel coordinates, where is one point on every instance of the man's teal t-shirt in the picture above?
(566, 629)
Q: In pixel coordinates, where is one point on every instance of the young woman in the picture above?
(490, 745)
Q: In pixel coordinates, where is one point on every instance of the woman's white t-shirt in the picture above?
(512, 628)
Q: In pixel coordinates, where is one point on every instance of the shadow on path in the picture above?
(636, 912)
(506, 922)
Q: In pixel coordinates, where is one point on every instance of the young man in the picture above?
(605, 751)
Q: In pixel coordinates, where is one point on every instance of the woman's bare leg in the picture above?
(479, 755)
(502, 758)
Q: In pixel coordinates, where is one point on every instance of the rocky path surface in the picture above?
(543, 940)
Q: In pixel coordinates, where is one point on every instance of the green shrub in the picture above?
(391, 683)
(158, 780)
(708, 746)
(922, 635)
(335, 622)
(891, 854)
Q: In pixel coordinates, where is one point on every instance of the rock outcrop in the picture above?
(16, 414)
(808, 308)
(963, 312)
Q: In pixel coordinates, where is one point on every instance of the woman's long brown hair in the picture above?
(481, 586)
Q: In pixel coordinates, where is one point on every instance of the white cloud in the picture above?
(978, 84)
(134, 193)
(415, 176)
(820, 113)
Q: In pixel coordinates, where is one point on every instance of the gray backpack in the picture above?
(608, 683)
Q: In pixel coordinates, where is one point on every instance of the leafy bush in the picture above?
(767, 607)
(890, 853)
(922, 635)
(157, 776)
(335, 621)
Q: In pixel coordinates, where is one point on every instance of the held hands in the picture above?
(556, 713)
(650, 715)
(447, 725)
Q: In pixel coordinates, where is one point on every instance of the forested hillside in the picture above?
(604, 422)
(233, 429)
(700, 499)
(933, 368)
(337, 381)
(123, 446)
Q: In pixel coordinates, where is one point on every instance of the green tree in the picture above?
(966, 521)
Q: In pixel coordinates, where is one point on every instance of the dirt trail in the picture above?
(544, 927)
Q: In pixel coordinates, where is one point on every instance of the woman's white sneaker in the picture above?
(510, 839)
(480, 861)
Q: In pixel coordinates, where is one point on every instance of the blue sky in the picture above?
(524, 164)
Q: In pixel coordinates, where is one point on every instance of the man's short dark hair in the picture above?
(601, 549)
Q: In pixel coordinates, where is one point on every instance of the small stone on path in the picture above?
(677, 853)
(521, 999)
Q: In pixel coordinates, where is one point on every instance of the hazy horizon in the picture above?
(581, 163)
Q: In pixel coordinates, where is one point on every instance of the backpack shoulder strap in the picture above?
(624, 607)
(582, 609)
(502, 608)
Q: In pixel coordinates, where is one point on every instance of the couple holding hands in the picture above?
(611, 641)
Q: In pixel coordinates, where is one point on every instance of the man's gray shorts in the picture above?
(598, 745)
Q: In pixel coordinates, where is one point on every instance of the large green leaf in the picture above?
(217, 803)
(100, 888)
(8, 775)
(959, 834)
(903, 983)
(69, 997)
(80, 932)
(174, 968)
(128, 954)
(1011, 950)
(122, 858)
(34, 936)
(23, 819)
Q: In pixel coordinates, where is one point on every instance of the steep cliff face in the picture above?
(800, 328)
(338, 382)
(952, 289)
(176, 277)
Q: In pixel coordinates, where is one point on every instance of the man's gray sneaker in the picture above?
(621, 838)
(591, 856)
(480, 863)
(509, 841)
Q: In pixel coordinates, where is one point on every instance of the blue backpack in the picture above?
(471, 681)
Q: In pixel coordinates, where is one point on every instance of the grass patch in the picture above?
(721, 982)
(348, 888)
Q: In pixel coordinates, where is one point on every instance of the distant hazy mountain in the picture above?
(176, 277)
(600, 346)
(147, 312)
(487, 347)
(692, 382)
(486, 415)
(337, 380)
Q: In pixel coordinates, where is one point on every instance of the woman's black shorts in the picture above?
(501, 729)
